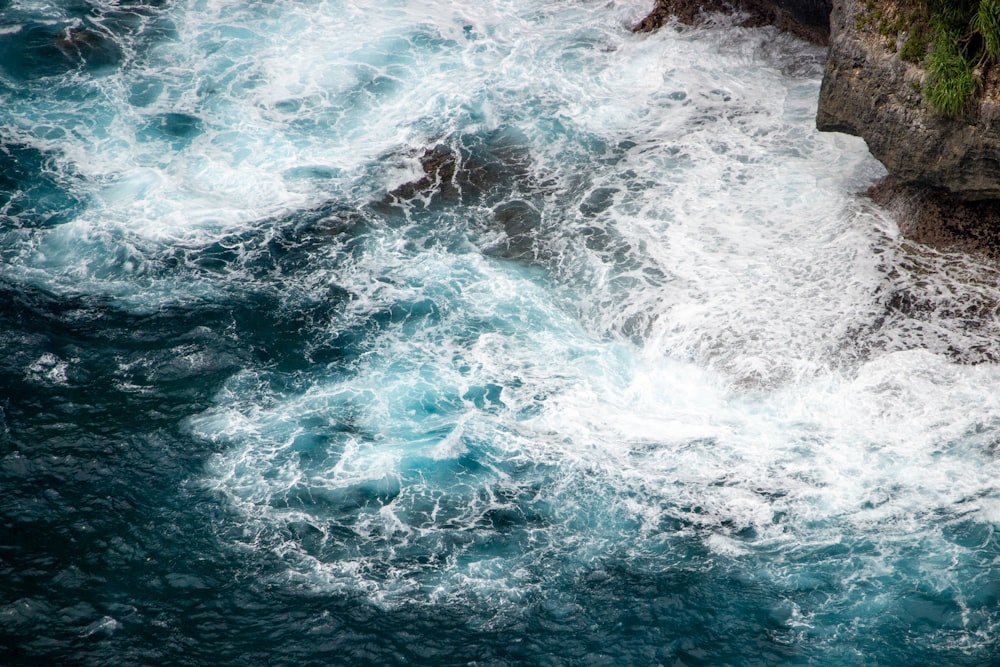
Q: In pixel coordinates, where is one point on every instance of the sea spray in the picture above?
(438, 334)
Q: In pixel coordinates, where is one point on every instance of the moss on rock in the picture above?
(955, 41)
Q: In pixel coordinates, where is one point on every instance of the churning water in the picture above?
(342, 333)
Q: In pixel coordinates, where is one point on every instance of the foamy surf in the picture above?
(498, 322)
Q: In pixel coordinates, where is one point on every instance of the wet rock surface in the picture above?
(936, 218)
(807, 19)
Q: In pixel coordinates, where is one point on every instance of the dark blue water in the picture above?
(412, 333)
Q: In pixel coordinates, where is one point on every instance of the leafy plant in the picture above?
(966, 36)
(956, 40)
(915, 47)
(950, 81)
(987, 23)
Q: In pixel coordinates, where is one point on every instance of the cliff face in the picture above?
(868, 91)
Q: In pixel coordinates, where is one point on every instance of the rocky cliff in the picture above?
(870, 91)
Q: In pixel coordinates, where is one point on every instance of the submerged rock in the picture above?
(520, 222)
(491, 172)
(439, 164)
(476, 169)
(85, 45)
(870, 91)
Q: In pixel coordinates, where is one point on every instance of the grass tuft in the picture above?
(964, 38)
(950, 81)
(987, 23)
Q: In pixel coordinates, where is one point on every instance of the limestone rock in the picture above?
(868, 91)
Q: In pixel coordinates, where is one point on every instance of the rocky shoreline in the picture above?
(944, 171)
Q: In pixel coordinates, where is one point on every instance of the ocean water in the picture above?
(415, 332)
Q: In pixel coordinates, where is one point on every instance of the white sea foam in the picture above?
(716, 339)
(48, 369)
(755, 397)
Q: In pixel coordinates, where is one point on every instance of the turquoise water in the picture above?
(356, 333)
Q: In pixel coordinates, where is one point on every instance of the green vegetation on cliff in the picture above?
(955, 40)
